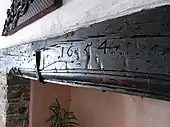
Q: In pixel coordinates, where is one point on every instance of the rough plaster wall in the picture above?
(3, 99)
(94, 108)
(72, 15)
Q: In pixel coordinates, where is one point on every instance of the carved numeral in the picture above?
(103, 46)
(70, 51)
(62, 52)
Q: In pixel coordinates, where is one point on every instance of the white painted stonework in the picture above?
(73, 15)
(3, 99)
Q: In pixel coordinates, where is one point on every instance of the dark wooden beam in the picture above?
(130, 54)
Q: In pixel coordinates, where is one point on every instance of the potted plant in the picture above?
(61, 117)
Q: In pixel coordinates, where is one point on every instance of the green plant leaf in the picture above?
(58, 103)
(61, 117)
(73, 123)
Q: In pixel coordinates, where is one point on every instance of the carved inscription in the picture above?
(108, 54)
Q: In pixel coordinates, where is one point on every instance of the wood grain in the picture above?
(130, 54)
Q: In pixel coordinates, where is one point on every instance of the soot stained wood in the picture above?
(24, 12)
(130, 54)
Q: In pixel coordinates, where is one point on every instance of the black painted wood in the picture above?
(24, 12)
(130, 54)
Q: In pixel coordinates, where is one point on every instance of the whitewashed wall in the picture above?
(72, 15)
(3, 99)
